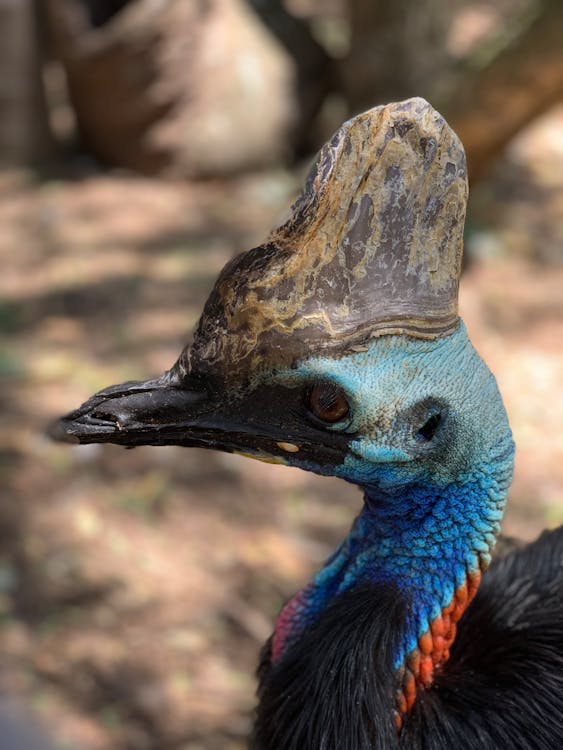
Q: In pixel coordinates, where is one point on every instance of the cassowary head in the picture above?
(335, 346)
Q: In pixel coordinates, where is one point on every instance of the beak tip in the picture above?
(151, 412)
(60, 431)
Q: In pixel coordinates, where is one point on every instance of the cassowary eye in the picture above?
(428, 429)
(327, 402)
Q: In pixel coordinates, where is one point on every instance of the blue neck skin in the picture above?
(424, 541)
(429, 519)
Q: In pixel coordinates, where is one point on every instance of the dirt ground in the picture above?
(137, 586)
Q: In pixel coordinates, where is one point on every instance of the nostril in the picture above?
(429, 428)
(105, 416)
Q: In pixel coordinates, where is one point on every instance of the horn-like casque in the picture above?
(371, 247)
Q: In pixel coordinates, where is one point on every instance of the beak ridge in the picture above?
(132, 413)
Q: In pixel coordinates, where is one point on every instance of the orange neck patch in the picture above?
(433, 647)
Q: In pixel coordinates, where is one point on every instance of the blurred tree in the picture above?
(397, 49)
(212, 87)
(186, 88)
(314, 69)
(402, 48)
(24, 127)
(100, 11)
(520, 81)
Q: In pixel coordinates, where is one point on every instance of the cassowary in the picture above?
(336, 347)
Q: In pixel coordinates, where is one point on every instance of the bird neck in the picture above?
(428, 542)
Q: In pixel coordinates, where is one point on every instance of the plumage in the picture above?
(336, 347)
(502, 686)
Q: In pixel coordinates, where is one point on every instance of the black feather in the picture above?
(335, 688)
(501, 688)
(503, 685)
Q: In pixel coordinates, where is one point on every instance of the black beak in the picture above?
(163, 411)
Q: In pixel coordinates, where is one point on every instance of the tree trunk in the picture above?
(524, 80)
(397, 49)
(24, 129)
(179, 87)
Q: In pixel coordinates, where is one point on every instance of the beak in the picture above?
(164, 411)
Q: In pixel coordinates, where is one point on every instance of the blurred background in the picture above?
(142, 144)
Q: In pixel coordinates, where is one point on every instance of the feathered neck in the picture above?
(425, 544)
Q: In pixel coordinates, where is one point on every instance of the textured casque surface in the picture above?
(372, 246)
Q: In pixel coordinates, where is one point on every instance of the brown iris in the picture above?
(327, 402)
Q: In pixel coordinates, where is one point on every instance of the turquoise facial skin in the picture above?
(432, 508)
